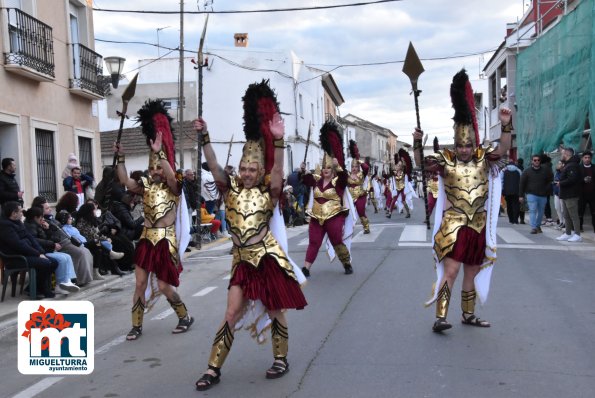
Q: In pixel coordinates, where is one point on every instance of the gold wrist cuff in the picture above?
(507, 128)
(279, 143)
(205, 138)
(121, 159)
(162, 155)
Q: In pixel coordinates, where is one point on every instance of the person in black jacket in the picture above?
(122, 210)
(587, 189)
(511, 180)
(9, 187)
(535, 183)
(570, 189)
(16, 240)
(65, 270)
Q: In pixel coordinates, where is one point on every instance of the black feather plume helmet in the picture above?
(463, 102)
(331, 141)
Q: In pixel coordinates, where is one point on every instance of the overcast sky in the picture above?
(448, 35)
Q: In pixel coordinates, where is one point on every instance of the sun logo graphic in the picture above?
(56, 337)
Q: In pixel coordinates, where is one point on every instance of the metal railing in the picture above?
(31, 42)
(88, 69)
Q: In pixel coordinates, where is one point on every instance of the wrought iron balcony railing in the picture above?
(88, 69)
(31, 43)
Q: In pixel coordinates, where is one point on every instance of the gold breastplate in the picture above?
(355, 185)
(248, 211)
(158, 200)
(400, 181)
(328, 209)
(466, 186)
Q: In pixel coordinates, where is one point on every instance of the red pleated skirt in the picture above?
(158, 259)
(269, 284)
(470, 246)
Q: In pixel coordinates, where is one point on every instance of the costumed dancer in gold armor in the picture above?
(157, 251)
(467, 207)
(357, 183)
(263, 278)
(432, 181)
(400, 184)
(371, 188)
(328, 212)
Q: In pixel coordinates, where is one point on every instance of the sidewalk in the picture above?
(9, 307)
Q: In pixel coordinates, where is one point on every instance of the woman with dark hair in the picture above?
(69, 202)
(65, 270)
(97, 243)
(81, 257)
(16, 240)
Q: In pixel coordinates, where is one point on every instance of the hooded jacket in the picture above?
(570, 184)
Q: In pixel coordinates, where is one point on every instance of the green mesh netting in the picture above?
(555, 85)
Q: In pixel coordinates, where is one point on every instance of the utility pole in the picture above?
(181, 90)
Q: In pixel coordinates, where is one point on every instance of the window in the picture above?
(301, 106)
(172, 103)
(86, 155)
(46, 166)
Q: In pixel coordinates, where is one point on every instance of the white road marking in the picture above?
(227, 277)
(414, 233)
(204, 291)
(304, 242)
(38, 387)
(163, 315)
(510, 235)
(106, 347)
(375, 232)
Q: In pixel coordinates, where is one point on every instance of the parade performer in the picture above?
(371, 186)
(466, 209)
(388, 196)
(402, 190)
(357, 182)
(264, 281)
(376, 191)
(165, 232)
(432, 179)
(328, 209)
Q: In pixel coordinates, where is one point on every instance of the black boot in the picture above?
(115, 270)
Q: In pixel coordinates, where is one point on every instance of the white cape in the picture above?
(492, 206)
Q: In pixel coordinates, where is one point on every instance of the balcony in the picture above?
(31, 47)
(87, 78)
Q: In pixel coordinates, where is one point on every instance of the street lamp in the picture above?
(158, 29)
(114, 67)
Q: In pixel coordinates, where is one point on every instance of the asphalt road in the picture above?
(362, 335)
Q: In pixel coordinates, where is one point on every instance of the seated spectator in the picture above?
(65, 270)
(68, 202)
(122, 210)
(16, 240)
(206, 218)
(88, 224)
(81, 257)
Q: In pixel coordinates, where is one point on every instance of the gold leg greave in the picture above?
(221, 346)
(280, 339)
(138, 312)
(468, 301)
(180, 309)
(375, 204)
(343, 254)
(365, 224)
(443, 301)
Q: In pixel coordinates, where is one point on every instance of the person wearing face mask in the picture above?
(166, 229)
(329, 209)
(264, 281)
(467, 208)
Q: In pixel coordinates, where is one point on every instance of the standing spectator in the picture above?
(546, 162)
(570, 189)
(209, 190)
(587, 189)
(511, 181)
(523, 207)
(9, 187)
(77, 183)
(108, 189)
(557, 201)
(535, 183)
(15, 239)
(190, 188)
